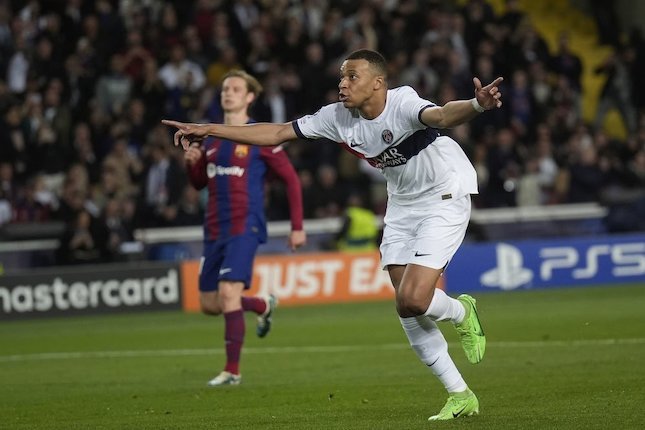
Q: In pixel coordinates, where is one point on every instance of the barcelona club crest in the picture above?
(241, 151)
(387, 136)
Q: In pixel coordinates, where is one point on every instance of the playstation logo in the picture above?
(509, 273)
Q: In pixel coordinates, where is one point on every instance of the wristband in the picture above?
(476, 105)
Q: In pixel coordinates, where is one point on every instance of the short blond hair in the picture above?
(252, 84)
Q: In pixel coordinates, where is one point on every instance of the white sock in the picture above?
(432, 349)
(445, 308)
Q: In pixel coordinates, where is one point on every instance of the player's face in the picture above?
(235, 95)
(357, 83)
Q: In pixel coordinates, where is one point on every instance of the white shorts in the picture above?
(428, 236)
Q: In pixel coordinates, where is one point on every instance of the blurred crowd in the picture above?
(84, 84)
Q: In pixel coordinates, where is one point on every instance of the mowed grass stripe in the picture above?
(330, 349)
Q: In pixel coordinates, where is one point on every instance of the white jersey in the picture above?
(418, 164)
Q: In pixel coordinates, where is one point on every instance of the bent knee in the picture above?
(209, 309)
(209, 304)
(408, 306)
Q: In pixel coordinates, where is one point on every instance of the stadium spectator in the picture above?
(7, 182)
(235, 223)
(117, 217)
(566, 63)
(511, 18)
(314, 80)
(162, 183)
(49, 156)
(138, 125)
(504, 165)
(135, 56)
(541, 90)
(114, 184)
(528, 46)
(226, 61)
(13, 147)
(126, 162)
(586, 176)
(419, 74)
(520, 103)
(18, 67)
(181, 73)
(189, 211)
(84, 150)
(5, 35)
(61, 50)
(75, 195)
(330, 193)
(152, 92)
(194, 48)
(360, 229)
(113, 90)
(35, 204)
(528, 184)
(427, 215)
(277, 103)
(547, 166)
(617, 92)
(308, 192)
(85, 240)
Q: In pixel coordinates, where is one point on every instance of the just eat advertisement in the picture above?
(307, 278)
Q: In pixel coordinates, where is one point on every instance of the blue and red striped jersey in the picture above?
(235, 175)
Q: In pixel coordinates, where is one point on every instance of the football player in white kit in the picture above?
(429, 182)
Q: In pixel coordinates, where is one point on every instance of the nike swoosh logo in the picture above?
(211, 151)
(416, 254)
(455, 415)
(354, 145)
(223, 271)
(481, 330)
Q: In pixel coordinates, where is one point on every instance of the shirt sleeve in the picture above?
(412, 106)
(278, 162)
(322, 124)
(197, 172)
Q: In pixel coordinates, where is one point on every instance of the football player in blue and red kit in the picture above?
(235, 222)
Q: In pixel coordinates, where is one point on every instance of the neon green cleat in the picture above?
(464, 404)
(470, 331)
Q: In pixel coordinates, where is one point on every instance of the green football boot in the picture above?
(463, 404)
(470, 331)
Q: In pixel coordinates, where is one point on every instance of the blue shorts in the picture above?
(229, 259)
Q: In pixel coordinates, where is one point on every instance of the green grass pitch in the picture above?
(559, 359)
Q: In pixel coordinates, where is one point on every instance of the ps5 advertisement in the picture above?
(548, 263)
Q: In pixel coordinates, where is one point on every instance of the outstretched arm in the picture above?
(459, 111)
(261, 134)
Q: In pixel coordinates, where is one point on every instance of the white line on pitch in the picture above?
(299, 349)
